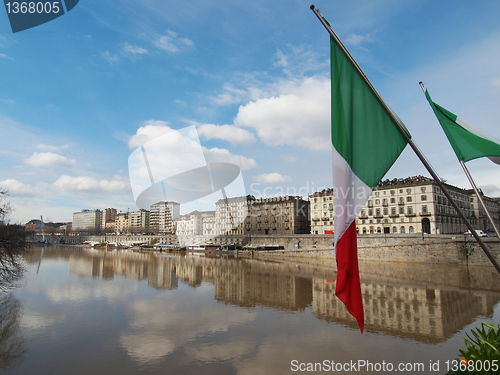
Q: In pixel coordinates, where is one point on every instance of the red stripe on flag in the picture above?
(348, 288)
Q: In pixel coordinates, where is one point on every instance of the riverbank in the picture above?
(412, 248)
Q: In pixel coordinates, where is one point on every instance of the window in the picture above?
(408, 191)
(393, 192)
(386, 211)
(401, 210)
(423, 197)
(410, 210)
(402, 230)
(422, 189)
(424, 209)
(393, 200)
(378, 212)
(394, 230)
(377, 201)
(408, 199)
(384, 202)
(393, 211)
(410, 229)
(370, 212)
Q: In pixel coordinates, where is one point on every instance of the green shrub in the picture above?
(484, 348)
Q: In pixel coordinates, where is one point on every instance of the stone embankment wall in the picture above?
(442, 249)
(415, 248)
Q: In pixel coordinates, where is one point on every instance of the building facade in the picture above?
(108, 214)
(230, 214)
(162, 216)
(87, 220)
(493, 207)
(405, 205)
(138, 221)
(122, 223)
(278, 215)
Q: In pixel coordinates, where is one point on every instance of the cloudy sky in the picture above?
(80, 93)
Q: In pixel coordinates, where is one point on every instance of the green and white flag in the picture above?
(467, 141)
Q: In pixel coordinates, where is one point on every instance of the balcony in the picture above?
(425, 214)
(363, 216)
(378, 216)
(325, 218)
(394, 215)
(410, 215)
(316, 219)
(401, 203)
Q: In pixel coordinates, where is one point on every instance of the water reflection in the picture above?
(11, 342)
(399, 300)
(130, 311)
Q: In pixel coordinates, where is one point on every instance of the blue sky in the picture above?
(75, 93)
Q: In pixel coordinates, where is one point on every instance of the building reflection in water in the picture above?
(399, 304)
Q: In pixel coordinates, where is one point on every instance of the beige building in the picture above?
(209, 223)
(278, 215)
(493, 207)
(87, 220)
(230, 214)
(406, 205)
(108, 214)
(138, 221)
(321, 207)
(162, 216)
(122, 223)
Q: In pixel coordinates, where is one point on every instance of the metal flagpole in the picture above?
(407, 137)
(478, 193)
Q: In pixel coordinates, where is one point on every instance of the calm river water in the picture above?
(85, 311)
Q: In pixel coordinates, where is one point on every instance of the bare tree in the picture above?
(12, 246)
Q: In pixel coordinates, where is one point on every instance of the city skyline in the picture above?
(81, 92)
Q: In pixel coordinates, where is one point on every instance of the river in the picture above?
(85, 311)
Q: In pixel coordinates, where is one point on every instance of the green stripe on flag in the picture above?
(363, 132)
(466, 143)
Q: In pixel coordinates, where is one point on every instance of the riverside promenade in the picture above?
(413, 248)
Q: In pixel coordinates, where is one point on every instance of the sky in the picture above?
(80, 93)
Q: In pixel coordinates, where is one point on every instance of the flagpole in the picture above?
(407, 137)
(476, 190)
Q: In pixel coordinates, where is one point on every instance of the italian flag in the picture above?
(366, 141)
(467, 141)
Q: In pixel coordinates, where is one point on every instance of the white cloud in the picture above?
(495, 82)
(298, 116)
(110, 57)
(49, 159)
(172, 42)
(18, 189)
(9, 102)
(45, 147)
(150, 130)
(130, 49)
(4, 56)
(296, 61)
(356, 39)
(91, 184)
(272, 178)
(228, 133)
(221, 155)
(230, 95)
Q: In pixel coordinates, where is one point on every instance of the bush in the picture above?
(483, 348)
